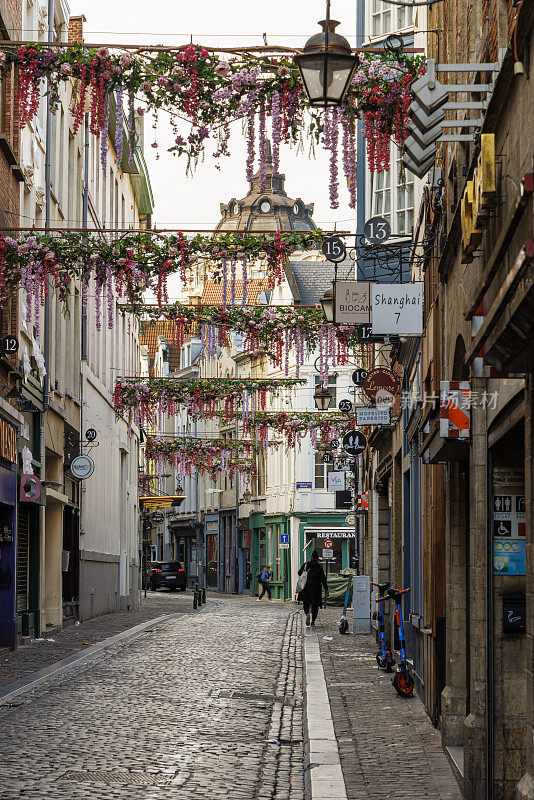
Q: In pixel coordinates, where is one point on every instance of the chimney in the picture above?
(76, 29)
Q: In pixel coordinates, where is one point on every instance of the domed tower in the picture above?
(268, 210)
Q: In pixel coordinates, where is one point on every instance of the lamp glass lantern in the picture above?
(326, 66)
(322, 398)
(327, 302)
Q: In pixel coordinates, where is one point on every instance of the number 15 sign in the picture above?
(397, 308)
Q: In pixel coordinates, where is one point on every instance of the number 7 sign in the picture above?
(397, 308)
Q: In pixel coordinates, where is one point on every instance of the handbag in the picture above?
(301, 583)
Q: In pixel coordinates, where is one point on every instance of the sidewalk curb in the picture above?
(11, 690)
(322, 766)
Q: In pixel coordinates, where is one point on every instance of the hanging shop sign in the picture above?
(372, 416)
(354, 443)
(380, 385)
(397, 309)
(345, 406)
(151, 501)
(352, 303)
(157, 518)
(479, 198)
(90, 434)
(82, 467)
(350, 519)
(363, 501)
(8, 442)
(358, 376)
(454, 409)
(336, 481)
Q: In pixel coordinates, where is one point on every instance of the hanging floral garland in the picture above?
(129, 265)
(212, 456)
(296, 425)
(211, 92)
(150, 398)
(278, 330)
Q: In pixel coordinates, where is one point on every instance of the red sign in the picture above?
(328, 544)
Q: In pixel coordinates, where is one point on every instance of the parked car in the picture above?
(167, 573)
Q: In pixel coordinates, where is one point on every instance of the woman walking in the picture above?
(311, 596)
(264, 579)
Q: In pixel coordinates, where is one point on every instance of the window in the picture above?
(382, 194)
(386, 18)
(332, 385)
(404, 200)
(396, 202)
(321, 471)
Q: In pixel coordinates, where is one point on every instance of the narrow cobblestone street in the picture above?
(205, 706)
(209, 705)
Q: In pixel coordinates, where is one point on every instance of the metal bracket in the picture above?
(484, 67)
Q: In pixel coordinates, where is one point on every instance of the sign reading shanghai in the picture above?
(397, 308)
(352, 303)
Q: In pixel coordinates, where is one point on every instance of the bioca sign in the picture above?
(352, 302)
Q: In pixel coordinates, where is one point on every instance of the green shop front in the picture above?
(272, 543)
(267, 550)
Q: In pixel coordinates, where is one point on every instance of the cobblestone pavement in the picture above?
(388, 747)
(203, 707)
(38, 654)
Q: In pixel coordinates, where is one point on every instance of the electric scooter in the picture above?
(402, 680)
(384, 658)
(343, 622)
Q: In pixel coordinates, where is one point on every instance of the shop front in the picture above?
(8, 502)
(332, 537)
(211, 537)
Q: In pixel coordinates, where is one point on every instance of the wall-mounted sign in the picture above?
(334, 444)
(397, 309)
(358, 376)
(479, 198)
(336, 481)
(352, 302)
(9, 344)
(372, 416)
(304, 484)
(82, 467)
(90, 434)
(330, 533)
(455, 409)
(327, 458)
(157, 518)
(514, 613)
(345, 406)
(509, 557)
(6, 532)
(8, 442)
(328, 553)
(350, 519)
(30, 488)
(284, 541)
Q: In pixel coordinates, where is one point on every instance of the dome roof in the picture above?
(267, 210)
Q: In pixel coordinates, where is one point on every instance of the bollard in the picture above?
(203, 594)
(195, 601)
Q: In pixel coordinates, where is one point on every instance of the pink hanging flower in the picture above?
(222, 69)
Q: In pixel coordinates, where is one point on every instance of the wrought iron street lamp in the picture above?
(322, 398)
(326, 65)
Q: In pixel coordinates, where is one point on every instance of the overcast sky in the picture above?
(183, 201)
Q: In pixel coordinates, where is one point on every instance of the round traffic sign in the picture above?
(345, 406)
(333, 249)
(327, 458)
(334, 444)
(354, 443)
(358, 376)
(82, 467)
(90, 434)
(377, 230)
(328, 544)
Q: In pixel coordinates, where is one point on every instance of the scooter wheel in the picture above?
(343, 626)
(403, 683)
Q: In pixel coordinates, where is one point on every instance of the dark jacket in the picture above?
(312, 592)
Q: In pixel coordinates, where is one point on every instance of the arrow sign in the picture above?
(354, 443)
